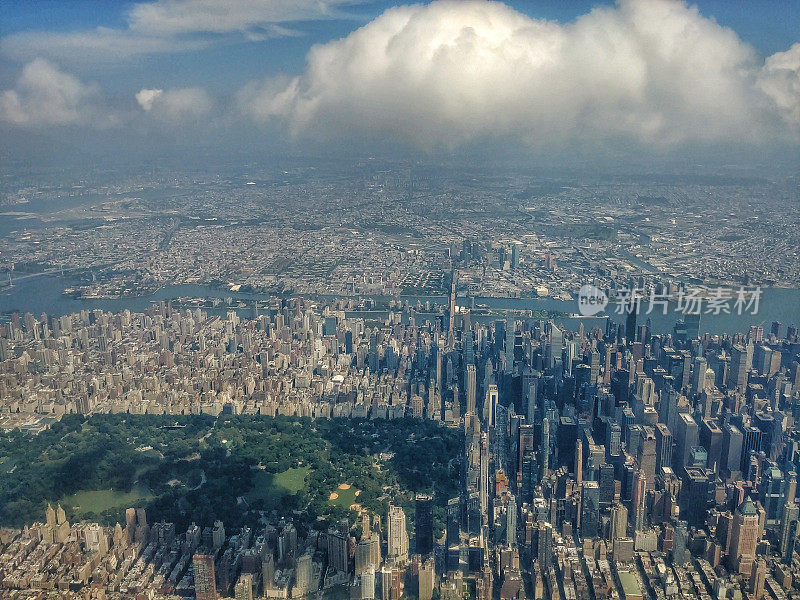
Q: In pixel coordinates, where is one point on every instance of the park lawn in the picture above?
(346, 497)
(99, 501)
(272, 488)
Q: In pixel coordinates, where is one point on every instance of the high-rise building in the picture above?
(471, 388)
(426, 579)
(752, 442)
(243, 590)
(511, 521)
(303, 575)
(544, 459)
(453, 521)
(732, 440)
(737, 373)
(525, 445)
(423, 524)
(619, 521)
(788, 530)
(205, 584)
(590, 509)
(710, 438)
(396, 535)
(368, 553)
(695, 492)
(490, 406)
(745, 533)
(638, 506)
(483, 483)
(686, 437)
(607, 484)
(680, 539)
(338, 554)
(646, 456)
(663, 446)
(630, 320)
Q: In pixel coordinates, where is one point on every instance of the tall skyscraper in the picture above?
(630, 320)
(490, 406)
(544, 450)
(396, 535)
(511, 521)
(745, 533)
(471, 388)
(619, 521)
(711, 439)
(555, 346)
(686, 437)
(638, 501)
(423, 524)
(590, 509)
(453, 521)
(737, 374)
(338, 554)
(663, 446)
(483, 482)
(205, 583)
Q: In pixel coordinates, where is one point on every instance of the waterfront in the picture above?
(44, 294)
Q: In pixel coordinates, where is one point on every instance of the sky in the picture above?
(631, 82)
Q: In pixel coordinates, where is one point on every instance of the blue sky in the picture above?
(639, 75)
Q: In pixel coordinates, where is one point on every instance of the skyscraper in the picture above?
(511, 521)
(338, 555)
(243, 590)
(453, 521)
(590, 509)
(205, 585)
(745, 533)
(483, 482)
(490, 406)
(686, 437)
(663, 446)
(544, 459)
(638, 501)
(396, 535)
(423, 524)
(619, 521)
(737, 374)
(471, 388)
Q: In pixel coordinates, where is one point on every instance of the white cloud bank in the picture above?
(175, 105)
(648, 71)
(45, 95)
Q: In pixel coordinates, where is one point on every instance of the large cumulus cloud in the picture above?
(44, 95)
(651, 72)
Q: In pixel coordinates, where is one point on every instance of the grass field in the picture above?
(98, 501)
(345, 497)
(272, 488)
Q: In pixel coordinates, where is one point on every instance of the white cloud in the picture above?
(653, 72)
(146, 97)
(45, 95)
(175, 105)
(780, 79)
(172, 26)
(175, 17)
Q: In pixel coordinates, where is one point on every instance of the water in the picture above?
(44, 294)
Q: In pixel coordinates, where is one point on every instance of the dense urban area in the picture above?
(362, 229)
(304, 448)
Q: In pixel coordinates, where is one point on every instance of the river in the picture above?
(44, 294)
